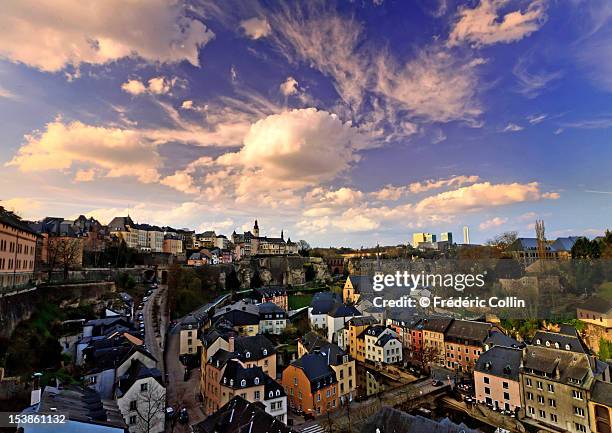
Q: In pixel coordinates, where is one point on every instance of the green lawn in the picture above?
(299, 301)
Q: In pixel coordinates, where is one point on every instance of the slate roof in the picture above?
(597, 304)
(389, 420)
(257, 347)
(361, 283)
(81, 404)
(217, 332)
(271, 291)
(602, 393)
(344, 311)
(383, 340)
(324, 302)
(436, 323)
(498, 338)
(565, 243)
(317, 370)
(374, 330)
(561, 366)
(240, 416)
(273, 389)
(269, 310)
(468, 330)
(361, 321)
(137, 371)
(552, 339)
(236, 376)
(239, 314)
(500, 361)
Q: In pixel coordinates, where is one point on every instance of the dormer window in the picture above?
(547, 343)
(538, 341)
(270, 394)
(278, 392)
(231, 382)
(243, 383)
(265, 352)
(567, 347)
(224, 380)
(256, 381)
(248, 354)
(556, 345)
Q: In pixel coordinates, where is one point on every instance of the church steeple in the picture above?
(256, 229)
(282, 235)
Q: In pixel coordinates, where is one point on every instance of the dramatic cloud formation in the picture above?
(61, 146)
(50, 35)
(393, 193)
(480, 196)
(303, 145)
(484, 26)
(255, 28)
(289, 86)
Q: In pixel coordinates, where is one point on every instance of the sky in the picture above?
(347, 123)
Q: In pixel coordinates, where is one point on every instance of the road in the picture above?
(181, 393)
(153, 338)
(362, 410)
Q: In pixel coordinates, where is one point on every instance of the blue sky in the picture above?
(343, 123)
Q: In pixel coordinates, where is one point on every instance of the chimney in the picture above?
(230, 344)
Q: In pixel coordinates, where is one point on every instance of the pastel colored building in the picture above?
(496, 378)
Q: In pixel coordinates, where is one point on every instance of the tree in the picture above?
(503, 240)
(256, 280)
(309, 272)
(63, 252)
(150, 409)
(586, 249)
(303, 248)
(232, 282)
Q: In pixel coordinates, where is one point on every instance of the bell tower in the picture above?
(256, 229)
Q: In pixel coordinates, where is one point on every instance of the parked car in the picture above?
(436, 382)
(308, 416)
(170, 412)
(183, 416)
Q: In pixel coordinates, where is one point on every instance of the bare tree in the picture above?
(150, 408)
(63, 252)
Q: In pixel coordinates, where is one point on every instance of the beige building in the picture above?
(172, 245)
(17, 252)
(596, 313)
(600, 407)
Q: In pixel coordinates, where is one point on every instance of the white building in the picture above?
(272, 319)
(337, 318)
(141, 398)
(382, 345)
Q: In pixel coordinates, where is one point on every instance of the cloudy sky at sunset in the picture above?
(346, 123)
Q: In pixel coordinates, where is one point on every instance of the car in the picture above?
(308, 416)
(436, 382)
(169, 412)
(183, 416)
(145, 299)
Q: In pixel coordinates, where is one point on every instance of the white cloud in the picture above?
(134, 87)
(482, 195)
(304, 146)
(493, 222)
(7, 94)
(116, 151)
(512, 127)
(83, 175)
(256, 28)
(483, 24)
(156, 85)
(289, 86)
(394, 193)
(536, 118)
(51, 35)
(531, 84)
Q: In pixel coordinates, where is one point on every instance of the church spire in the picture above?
(282, 235)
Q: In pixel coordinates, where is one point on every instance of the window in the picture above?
(486, 379)
(257, 395)
(133, 420)
(295, 380)
(529, 396)
(542, 414)
(505, 385)
(578, 411)
(144, 387)
(580, 427)
(487, 390)
(540, 399)
(528, 382)
(577, 394)
(133, 405)
(506, 396)
(553, 417)
(531, 410)
(551, 388)
(539, 385)
(552, 402)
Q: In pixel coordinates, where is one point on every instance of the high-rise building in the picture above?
(418, 238)
(446, 237)
(466, 235)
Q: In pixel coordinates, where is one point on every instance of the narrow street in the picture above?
(153, 339)
(181, 393)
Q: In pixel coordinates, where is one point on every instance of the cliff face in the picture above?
(280, 270)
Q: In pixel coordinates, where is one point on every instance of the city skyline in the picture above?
(340, 123)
